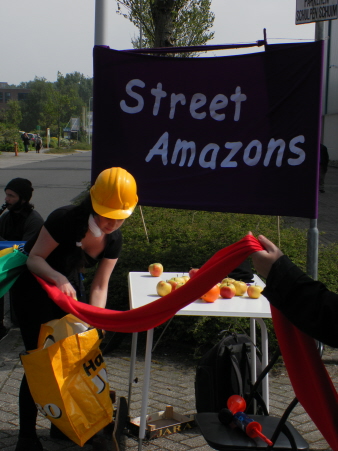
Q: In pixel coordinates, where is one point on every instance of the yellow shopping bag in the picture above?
(68, 380)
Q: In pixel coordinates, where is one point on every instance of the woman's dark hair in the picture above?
(81, 215)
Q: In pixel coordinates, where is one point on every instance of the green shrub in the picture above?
(53, 143)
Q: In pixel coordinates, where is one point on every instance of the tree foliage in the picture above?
(53, 104)
(167, 23)
(9, 125)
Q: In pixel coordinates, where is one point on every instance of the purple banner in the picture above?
(235, 134)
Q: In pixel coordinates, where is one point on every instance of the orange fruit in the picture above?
(212, 294)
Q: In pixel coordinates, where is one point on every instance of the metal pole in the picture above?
(101, 22)
(89, 122)
(312, 250)
(313, 234)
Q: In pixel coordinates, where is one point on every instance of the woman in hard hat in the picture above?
(72, 238)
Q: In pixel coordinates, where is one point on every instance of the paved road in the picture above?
(327, 211)
(57, 179)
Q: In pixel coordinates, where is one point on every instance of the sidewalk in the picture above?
(9, 159)
(172, 383)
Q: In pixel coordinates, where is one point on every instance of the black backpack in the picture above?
(225, 370)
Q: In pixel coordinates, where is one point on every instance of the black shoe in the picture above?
(120, 422)
(29, 444)
(55, 433)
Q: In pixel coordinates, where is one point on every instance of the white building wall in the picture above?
(330, 92)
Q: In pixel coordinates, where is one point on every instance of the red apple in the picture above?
(163, 288)
(227, 290)
(192, 272)
(155, 269)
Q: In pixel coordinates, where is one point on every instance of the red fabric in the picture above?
(312, 384)
(159, 311)
(310, 380)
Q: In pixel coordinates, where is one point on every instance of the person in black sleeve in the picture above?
(72, 238)
(307, 303)
(19, 223)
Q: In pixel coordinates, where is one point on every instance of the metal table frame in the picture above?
(142, 291)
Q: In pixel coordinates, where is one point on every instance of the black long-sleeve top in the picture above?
(307, 303)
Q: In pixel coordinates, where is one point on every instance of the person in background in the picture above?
(72, 238)
(19, 223)
(307, 303)
(38, 143)
(323, 165)
(25, 139)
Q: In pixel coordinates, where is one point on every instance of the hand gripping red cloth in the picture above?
(311, 383)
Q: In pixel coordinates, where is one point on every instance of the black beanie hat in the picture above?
(22, 187)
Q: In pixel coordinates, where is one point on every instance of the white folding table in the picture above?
(142, 291)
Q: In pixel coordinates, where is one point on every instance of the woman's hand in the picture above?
(65, 286)
(263, 260)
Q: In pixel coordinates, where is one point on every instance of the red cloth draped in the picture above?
(311, 383)
(310, 380)
(159, 311)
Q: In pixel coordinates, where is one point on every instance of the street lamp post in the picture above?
(89, 119)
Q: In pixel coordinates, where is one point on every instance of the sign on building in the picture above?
(315, 10)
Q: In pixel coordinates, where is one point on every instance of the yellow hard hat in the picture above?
(114, 194)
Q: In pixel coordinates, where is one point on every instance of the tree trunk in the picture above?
(161, 11)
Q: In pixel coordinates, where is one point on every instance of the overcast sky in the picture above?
(38, 38)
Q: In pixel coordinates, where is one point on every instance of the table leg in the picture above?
(132, 367)
(145, 388)
(265, 356)
(265, 360)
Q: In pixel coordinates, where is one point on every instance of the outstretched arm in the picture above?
(307, 303)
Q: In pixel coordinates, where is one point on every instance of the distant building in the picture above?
(8, 93)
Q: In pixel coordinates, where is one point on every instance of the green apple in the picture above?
(163, 288)
(240, 287)
(254, 291)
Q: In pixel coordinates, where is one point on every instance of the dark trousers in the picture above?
(32, 308)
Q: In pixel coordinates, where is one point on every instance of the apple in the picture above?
(240, 287)
(163, 288)
(185, 278)
(174, 281)
(179, 285)
(228, 280)
(227, 290)
(192, 272)
(254, 291)
(155, 269)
